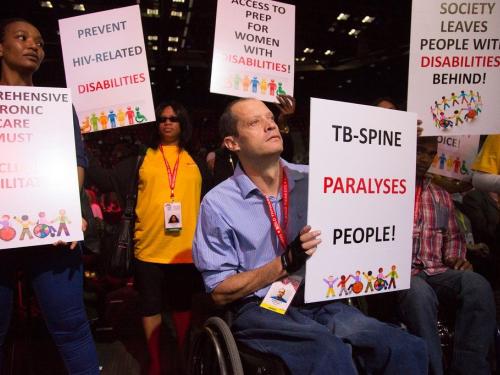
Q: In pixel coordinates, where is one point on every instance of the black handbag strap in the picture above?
(131, 198)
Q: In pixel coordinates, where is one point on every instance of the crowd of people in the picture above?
(230, 223)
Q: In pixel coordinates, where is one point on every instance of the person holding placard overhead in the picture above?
(55, 271)
(251, 244)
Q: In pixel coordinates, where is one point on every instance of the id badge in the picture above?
(281, 293)
(469, 239)
(173, 216)
(442, 216)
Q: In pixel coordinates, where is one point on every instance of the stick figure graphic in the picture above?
(280, 89)
(120, 116)
(369, 280)
(255, 84)
(112, 118)
(272, 87)
(94, 120)
(263, 86)
(130, 115)
(330, 281)
(103, 119)
(25, 224)
(139, 117)
(393, 275)
(63, 220)
(342, 285)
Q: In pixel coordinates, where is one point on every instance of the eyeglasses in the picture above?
(163, 119)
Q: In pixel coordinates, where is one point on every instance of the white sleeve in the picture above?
(486, 182)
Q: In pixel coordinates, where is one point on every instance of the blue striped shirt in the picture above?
(234, 232)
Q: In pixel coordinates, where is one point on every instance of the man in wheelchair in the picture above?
(242, 251)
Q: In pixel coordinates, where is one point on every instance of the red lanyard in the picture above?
(281, 233)
(172, 175)
(418, 200)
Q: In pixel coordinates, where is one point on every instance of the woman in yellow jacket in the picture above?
(171, 183)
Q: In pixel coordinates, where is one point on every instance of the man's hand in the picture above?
(301, 248)
(286, 105)
(480, 249)
(309, 239)
(72, 246)
(458, 264)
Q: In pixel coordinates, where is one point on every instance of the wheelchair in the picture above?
(214, 351)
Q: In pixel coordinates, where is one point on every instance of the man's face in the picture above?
(281, 292)
(426, 150)
(258, 134)
(22, 47)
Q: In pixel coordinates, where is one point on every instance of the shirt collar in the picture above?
(424, 181)
(247, 187)
(427, 182)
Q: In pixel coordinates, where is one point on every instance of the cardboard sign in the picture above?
(454, 75)
(40, 201)
(361, 194)
(106, 68)
(455, 156)
(254, 49)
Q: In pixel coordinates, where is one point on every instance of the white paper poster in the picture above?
(361, 194)
(40, 201)
(106, 68)
(454, 73)
(254, 49)
(455, 156)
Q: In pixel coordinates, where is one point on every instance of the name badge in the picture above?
(281, 293)
(173, 216)
(469, 239)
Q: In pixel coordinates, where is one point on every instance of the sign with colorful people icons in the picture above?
(38, 174)
(106, 68)
(454, 73)
(361, 192)
(455, 156)
(254, 49)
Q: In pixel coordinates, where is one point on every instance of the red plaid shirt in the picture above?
(436, 235)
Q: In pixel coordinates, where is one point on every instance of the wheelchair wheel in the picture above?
(41, 230)
(214, 351)
(357, 287)
(380, 284)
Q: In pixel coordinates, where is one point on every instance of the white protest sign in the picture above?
(361, 194)
(455, 156)
(106, 68)
(454, 75)
(40, 201)
(253, 49)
